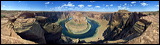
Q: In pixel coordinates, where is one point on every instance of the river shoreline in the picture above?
(90, 33)
(98, 32)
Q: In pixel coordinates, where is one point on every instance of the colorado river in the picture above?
(90, 33)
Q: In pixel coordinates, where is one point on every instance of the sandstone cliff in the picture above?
(9, 36)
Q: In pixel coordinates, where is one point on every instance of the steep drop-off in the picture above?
(125, 26)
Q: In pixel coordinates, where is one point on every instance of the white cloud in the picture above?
(89, 8)
(89, 5)
(125, 4)
(69, 4)
(19, 1)
(76, 7)
(157, 5)
(107, 5)
(97, 6)
(144, 4)
(123, 8)
(81, 5)
(133, 2)
(65, 7)
(134, 5)
(131, 5)
(111, 5)
(3, 5)
(92, 1)
(119, 6)
(47, 2)
(70, 8)
(59, 8)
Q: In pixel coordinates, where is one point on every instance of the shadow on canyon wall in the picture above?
(125, 26)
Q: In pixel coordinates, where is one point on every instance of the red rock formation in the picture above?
(8, 35)
(78, 17)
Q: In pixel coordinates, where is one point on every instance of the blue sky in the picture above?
(101, 6)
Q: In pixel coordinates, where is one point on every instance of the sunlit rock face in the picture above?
(78, 23)
(78, 17)
(9, 35)
(28, 28)
(123, 11)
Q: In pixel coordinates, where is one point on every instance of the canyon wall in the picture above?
(126, 26)
(33, 27)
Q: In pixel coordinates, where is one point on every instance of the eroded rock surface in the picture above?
(29, 29)
(151, 35)
(8, 35)
(125, 26)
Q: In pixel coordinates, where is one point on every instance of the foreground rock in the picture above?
(29, 29)
(8, 35)
(13, 40)
(151, 35)
(67, 40)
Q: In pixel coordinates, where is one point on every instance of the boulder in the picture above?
(66, 40)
